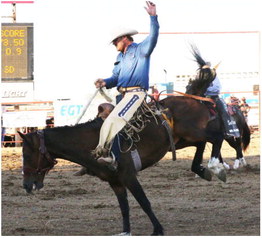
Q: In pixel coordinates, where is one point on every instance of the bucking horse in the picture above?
(76, 143)
(187, 117)
(215, 131)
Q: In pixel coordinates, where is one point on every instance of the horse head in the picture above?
(205, 75)
(36, 161)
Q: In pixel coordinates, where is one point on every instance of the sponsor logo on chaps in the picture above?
(128, 106)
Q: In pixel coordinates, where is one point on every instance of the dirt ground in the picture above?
(185, 205)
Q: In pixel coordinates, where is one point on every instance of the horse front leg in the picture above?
(121, 194)
(197, 166)
(137, 191)
(214, 164)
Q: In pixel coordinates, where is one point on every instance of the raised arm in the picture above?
(149, 43)
(151, 8)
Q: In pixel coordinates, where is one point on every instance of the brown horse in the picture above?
(76, 144)
(215, 129)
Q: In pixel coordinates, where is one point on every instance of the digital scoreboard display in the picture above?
(17, 51)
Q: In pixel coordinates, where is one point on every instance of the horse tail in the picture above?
(245, 136)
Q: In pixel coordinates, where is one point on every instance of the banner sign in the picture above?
(68, 111)
(25, 119)
(17, 92)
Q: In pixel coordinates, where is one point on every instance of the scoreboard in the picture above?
(17, 51)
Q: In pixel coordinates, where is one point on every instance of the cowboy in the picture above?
(213, 92)
(131, 77)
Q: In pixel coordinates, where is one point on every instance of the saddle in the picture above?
(214, 112)
(225, 113)
(231, 109)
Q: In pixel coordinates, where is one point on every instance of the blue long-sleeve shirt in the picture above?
(132, 68)
(214, 88)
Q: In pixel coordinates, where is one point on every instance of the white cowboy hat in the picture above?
(122, 32)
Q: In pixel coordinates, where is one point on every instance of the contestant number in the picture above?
(14, 52)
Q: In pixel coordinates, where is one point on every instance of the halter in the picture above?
(43, 155)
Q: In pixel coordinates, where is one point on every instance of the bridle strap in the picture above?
(42, 148)
(44, 154)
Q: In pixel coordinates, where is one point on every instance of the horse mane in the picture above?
(205, 76)
(96, 123)
(198, 58)
(91, 124)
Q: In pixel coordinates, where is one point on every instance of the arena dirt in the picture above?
(184, 204)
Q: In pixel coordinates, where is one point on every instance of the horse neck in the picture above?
(72, 143)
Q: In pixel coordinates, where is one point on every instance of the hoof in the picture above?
(207, 175)
(157, 234)
(124, 234)
(203, 173)
(243, 162)
(236, 164)
(222, 175)
(239, 162)
(218, 169)
(226, 166)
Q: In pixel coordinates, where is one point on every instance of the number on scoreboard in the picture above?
(17, 51)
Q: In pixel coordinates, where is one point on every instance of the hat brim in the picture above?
(123, 33)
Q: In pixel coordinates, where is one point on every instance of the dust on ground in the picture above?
(185, 205)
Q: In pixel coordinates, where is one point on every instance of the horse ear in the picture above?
(26, 139)
(22, 135)
(216, 66)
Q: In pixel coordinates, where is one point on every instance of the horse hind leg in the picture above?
(236, 144)
(239, 162)
(136, 189)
